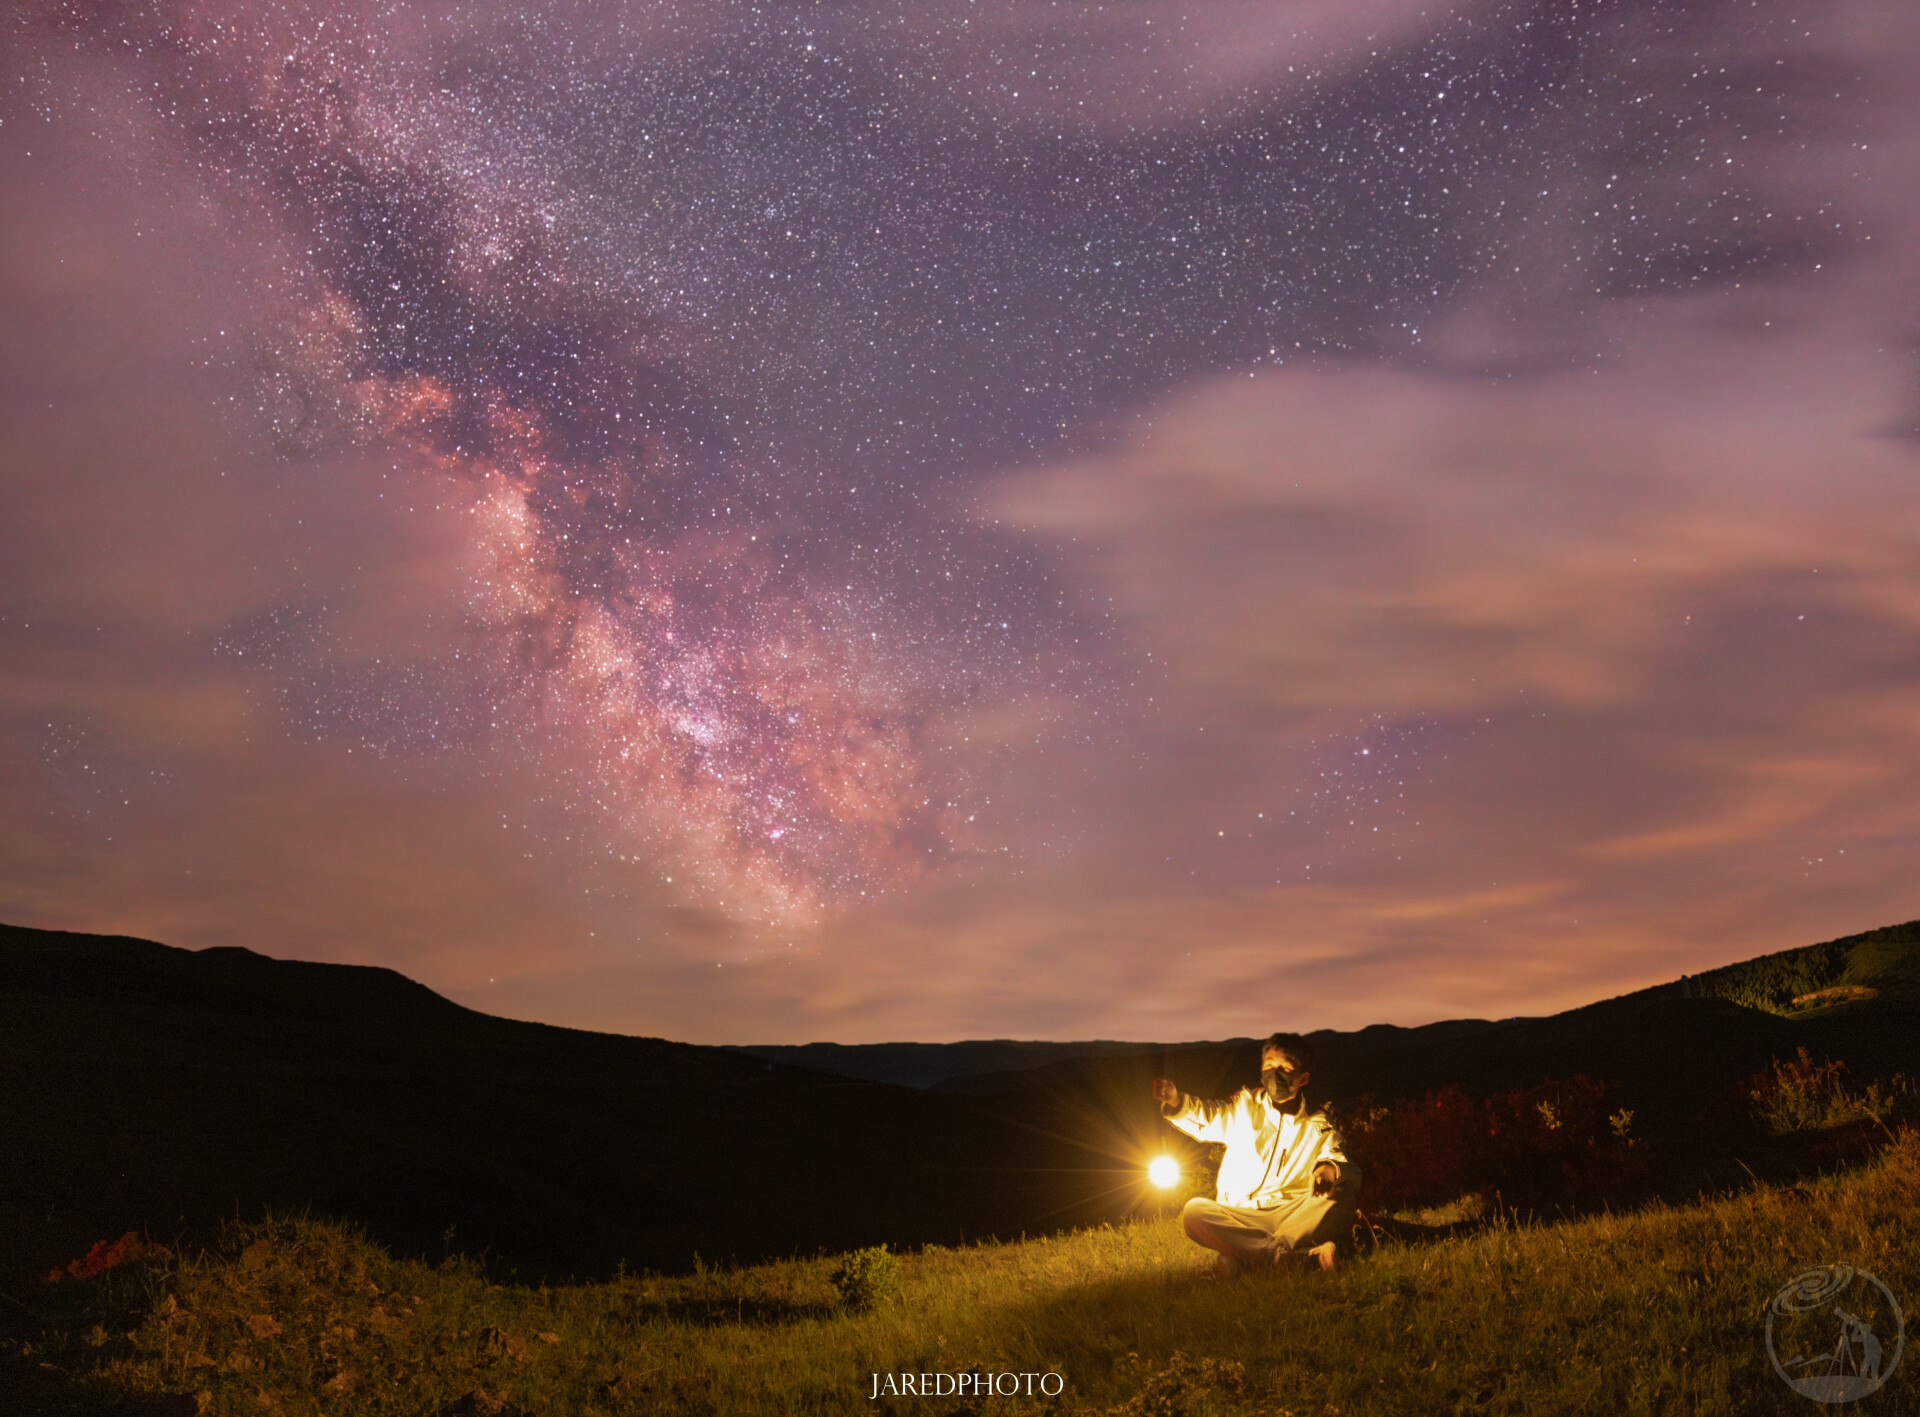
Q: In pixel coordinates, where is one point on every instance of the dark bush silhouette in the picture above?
(1554, 1144)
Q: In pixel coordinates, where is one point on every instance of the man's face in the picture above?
(1279, 1076)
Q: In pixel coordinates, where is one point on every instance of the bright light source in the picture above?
(1163, 1171)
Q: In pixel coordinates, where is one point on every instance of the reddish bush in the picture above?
(1412, 1152)
(1552, 1144)
(1818, 1114)
(110, 1254)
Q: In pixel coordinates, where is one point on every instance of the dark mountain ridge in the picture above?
(154, 1088)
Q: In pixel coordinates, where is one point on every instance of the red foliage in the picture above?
(1551, 1144)
(110, 1254)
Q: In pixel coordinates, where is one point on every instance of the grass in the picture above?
(1657, 1311)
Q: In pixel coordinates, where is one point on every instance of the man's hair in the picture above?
(1298, 1051)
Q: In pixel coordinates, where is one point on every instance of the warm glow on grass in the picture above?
(1163, 1171)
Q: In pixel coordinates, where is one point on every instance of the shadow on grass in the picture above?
(728, 1310)
(53, 1334)
(1373, 1232)
(1175, 1341)
(29, 1384)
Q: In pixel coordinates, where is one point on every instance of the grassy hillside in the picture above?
(1883, 961)
(1656, 1311)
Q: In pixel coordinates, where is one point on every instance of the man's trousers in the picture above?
(1247, 1236)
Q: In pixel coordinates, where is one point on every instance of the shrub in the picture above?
(1555, 1143)
(130, 1248)
(867, 1278)
(1804, 1096)
(1417, 1152)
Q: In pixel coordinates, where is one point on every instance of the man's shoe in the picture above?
(1318, 1260)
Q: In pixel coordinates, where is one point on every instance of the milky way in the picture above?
(712, 319)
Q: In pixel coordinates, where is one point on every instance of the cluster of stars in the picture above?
(712, 322)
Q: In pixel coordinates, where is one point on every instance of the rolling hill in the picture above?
(149, 1087)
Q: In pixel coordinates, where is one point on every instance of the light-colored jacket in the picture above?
(1271, 1153)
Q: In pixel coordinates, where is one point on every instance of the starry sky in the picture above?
(759, 522)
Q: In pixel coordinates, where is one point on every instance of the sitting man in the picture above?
(1286, 1189)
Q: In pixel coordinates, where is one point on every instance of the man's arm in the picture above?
(1203, 1121)
(1331, 1163)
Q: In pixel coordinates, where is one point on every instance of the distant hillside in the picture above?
(1228, 1063)
(981, 1067)
(1791, 983)
(1883, 961)
(925, 1064)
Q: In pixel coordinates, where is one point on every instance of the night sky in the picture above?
(771, 522)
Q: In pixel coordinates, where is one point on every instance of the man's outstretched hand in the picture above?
(1165, 1093)
(1325, 1177)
